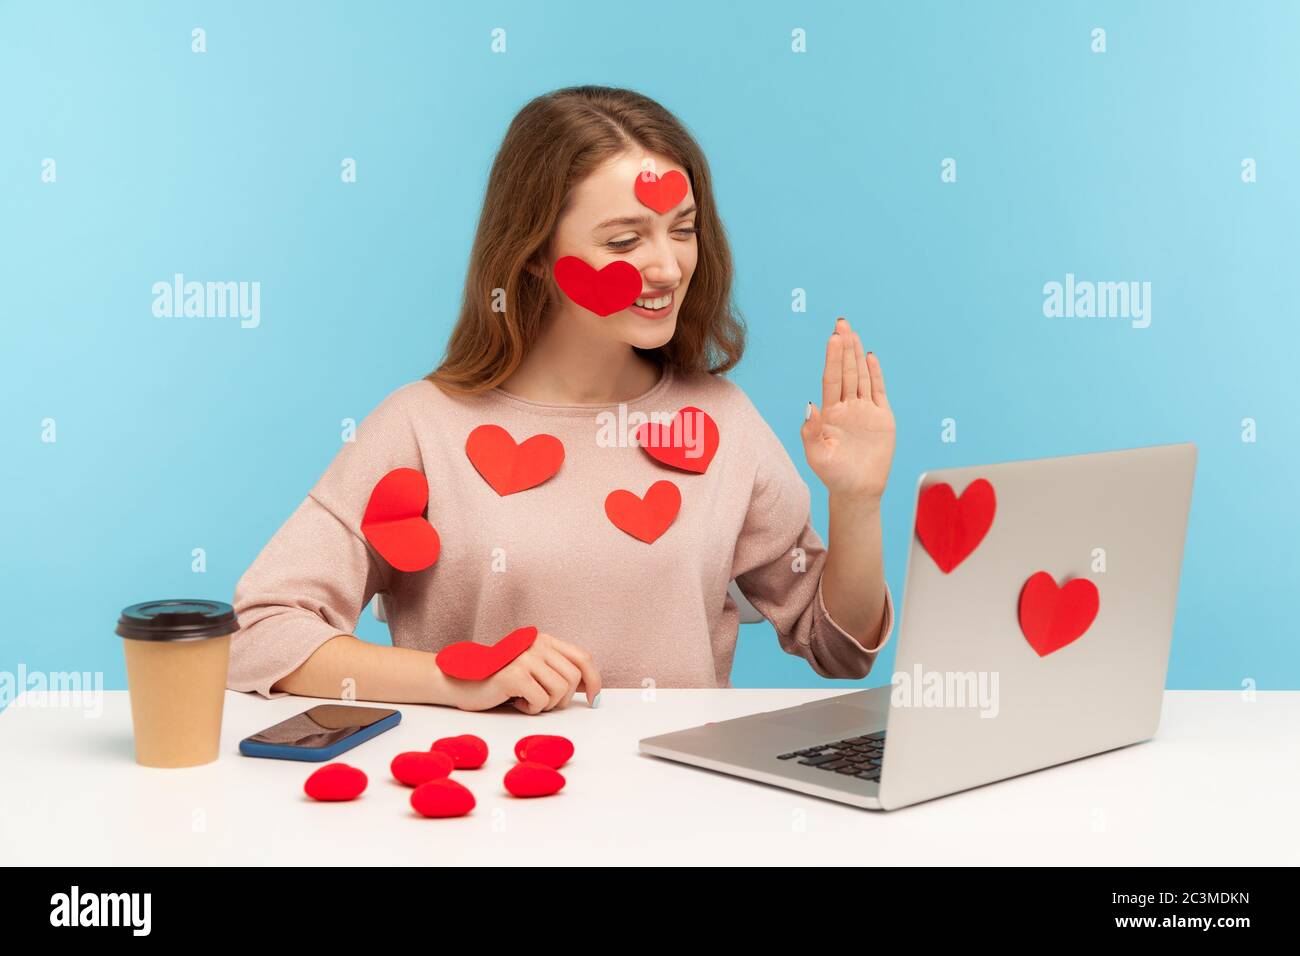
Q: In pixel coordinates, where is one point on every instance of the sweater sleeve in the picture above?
(779, 562)
(316, 575)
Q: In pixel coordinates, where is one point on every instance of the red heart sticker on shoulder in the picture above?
(1052, 617)
(689, 442)
(950, 528)
(644, 518)
(510, 467)
(468, 660)
(660, 193)
(394, 521)
(609, 290)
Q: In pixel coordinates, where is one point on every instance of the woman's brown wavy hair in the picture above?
(553, 143)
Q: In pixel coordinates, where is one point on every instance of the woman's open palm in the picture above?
(849, 441)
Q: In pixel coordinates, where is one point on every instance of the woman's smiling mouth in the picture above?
(653, 307)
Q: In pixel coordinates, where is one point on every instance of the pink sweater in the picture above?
(650, 614)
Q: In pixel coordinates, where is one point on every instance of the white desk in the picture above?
(1218, 785)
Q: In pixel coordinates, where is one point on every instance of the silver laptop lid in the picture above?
(1117, 519)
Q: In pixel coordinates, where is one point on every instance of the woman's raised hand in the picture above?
(849, 441)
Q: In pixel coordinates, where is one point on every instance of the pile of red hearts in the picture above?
(435, 794)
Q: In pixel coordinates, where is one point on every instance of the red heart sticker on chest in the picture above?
(950, 528)
(1052, 617)
(508, 467)
(610, 290)
(394, 521)
(468, 660)
(660, 193)
(688, 442)
(644, 518)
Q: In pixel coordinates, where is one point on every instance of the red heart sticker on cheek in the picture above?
(508, 467)
(610, 290)
(950, 528)
(1052, 617)
(644, 518)
(689, 442)
(660, 193)
(394, 521)
(468, 660)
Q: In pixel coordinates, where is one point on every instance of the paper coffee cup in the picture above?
(177, 654)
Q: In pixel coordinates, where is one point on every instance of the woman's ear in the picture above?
(535, 268)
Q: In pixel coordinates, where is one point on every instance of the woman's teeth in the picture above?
(658, 303)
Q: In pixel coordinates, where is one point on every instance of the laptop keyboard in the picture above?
(854, 756)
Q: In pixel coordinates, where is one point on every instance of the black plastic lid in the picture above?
(177, 620)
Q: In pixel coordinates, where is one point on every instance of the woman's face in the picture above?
(605, 221)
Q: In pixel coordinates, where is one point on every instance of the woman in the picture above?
(585, 174)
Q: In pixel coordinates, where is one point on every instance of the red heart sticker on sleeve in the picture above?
(644, 518)
(1052, 617)
(468, 660)
(394, 521)
(660, 193)
(510, 467)
(689, 442)
(610, 290)
(950, 528)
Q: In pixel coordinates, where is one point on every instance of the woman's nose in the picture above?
(662, 267)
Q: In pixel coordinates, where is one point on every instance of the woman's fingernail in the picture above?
(807, 412)
(595, 701)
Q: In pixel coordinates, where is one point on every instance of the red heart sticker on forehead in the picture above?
(609, 290)
(660, 193)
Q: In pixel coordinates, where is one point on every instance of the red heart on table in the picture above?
(469, 660)
(644, 518)
(510, 467)
(1052, 617)
(688, 442)
(442, 798)
(420, 766)
(467, 752)
(394, 521)
(610, 290)
(660, 193)
(549, 749)
(335, 781)
(950, 528)
(533, 780)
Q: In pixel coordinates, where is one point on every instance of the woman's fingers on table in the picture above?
(586, 664)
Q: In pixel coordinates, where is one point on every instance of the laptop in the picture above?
(1004, 665)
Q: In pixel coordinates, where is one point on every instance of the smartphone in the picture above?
(321, 733)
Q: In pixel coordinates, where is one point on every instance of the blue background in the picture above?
(182, 433)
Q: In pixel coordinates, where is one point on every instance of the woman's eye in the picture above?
(621, 244)
(687, 231)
